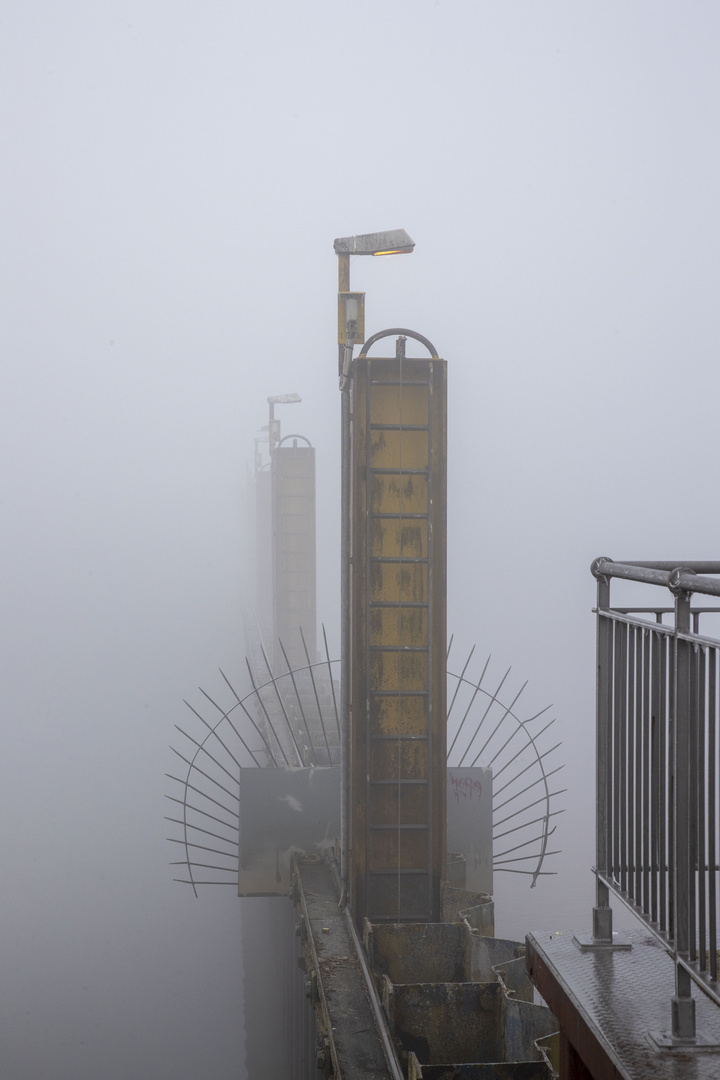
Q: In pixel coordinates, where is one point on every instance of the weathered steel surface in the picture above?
(478, 909)
(610, 1003)
(513, 973)
(282, 811)
(470, 823)
(523, 1024)
(445, 1022)
(490, 955)
(418, 952)
(353, 1044)
(466, 1022)
(453, 996)
(445, 952)
(398, 635)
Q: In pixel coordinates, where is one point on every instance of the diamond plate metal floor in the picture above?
(608, 1003)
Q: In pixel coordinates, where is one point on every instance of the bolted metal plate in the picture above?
(281, 811)
(469, 824)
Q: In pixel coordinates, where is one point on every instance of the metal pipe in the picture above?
(683, 1006)
(646, 861)
(344, 636)
(711, 806)
(630, 814)
(344, 362)
(684, 574)
(700, 804)
(696, 567)
(663, 853)
(608, 569)
(619, 727)
(345, 465)
(602, 912)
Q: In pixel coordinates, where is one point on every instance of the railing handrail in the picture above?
(658, 764)
(676, 576)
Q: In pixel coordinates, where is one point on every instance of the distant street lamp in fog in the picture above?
(273, 424)
(351, 330)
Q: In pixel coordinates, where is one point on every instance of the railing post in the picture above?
(683, 1005)
(602, 912)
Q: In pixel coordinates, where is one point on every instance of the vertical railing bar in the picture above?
(614, 688)
(604, 762)
(637, 766)
(629, 816)
(364, 718)
(700, 812)
(634, 765)
(683, 1014)
(646, 850)
(670, 795)
(655, 775)
(663, 854)
(430, 595)
(682, 679)
(618, 674)
(619, 751)
(712, 809)
(692, 758)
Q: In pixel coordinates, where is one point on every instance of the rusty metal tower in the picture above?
(397, 707)
(344, 797)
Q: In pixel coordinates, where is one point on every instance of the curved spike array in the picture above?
(293, 720)
(513, 749)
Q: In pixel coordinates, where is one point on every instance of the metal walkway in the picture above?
(615, 1003)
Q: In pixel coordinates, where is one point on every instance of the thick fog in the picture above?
(173, 177)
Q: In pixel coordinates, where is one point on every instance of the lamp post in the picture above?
(351, 330)
(351, 306)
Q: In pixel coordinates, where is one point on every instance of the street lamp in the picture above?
(273, 424)
(351, 329)
(394, 242)
(351, 305)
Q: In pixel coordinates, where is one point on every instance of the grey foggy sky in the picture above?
(173, 175)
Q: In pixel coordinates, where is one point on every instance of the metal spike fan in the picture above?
(292, 719)
(484, 730)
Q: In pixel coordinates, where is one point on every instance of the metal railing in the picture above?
(658, 770)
